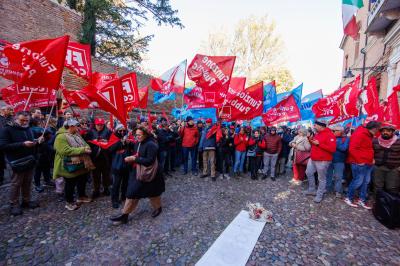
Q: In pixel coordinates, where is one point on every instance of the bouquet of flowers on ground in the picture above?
(259, 213)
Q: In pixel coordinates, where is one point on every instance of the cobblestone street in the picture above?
(195, 213)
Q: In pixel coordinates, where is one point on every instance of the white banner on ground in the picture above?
(235, 244)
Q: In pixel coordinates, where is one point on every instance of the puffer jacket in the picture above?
(326, 147)
(361, 150)
(190, 136)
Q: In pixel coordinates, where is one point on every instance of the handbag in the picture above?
(146, 173)
(302, 157)
(72, 167)
(23, 164)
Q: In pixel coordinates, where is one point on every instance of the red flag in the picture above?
(340, 118)
(370, 98)
(105, 145)
(143, 96)
(18, 95)
(391, 112)
(109, 98)
(194, 98)
(130, 90)
(397, 88)
(285, 111)
(339, 102)
(99, 79)
(76, 97)
(211, 73)
(236, 86)
(173, 80)
(78, 59)
(245, 105)
(350, 99)
(165, 115)
(36, 63)
(215, 129)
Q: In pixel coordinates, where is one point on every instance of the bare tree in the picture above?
(258, 49)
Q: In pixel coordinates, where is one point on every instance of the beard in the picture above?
(386, 137)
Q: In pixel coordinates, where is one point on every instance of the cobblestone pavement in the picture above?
(196, 211)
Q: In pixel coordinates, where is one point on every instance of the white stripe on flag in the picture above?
(236, 243)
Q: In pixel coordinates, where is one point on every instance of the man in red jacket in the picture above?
(323, 146)
(190, 137)
(361, 157)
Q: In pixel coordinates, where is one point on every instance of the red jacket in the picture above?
(361, 150)
(326, 148)
(241, 141)
(190, 136)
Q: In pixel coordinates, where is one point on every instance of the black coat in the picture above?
(164, 138)
(12, 138)
(99, 156)
(119, 152)
(147, 156)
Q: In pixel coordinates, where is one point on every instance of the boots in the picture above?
(120, 219)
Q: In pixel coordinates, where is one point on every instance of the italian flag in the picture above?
(349, 9)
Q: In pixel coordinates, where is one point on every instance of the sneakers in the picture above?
(84, 200)
(363, 204)
(39, 189)
(213, 178)
(71, 206)
(350, 203)
(317, 199)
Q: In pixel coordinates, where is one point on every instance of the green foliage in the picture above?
(258, 50)
(111, 27)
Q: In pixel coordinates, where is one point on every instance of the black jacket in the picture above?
(12, 138)
(97, 153)
(164, 138)
(119, 152)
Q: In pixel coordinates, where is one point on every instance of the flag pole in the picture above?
(28, 100)
(48, 118)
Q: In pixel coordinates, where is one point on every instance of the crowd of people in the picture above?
(130, 163)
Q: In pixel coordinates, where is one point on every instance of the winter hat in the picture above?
(189, 118)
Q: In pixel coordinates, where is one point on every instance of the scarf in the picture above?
(387, 143)
(76, 141)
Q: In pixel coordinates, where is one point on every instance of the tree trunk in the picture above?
(89, 25)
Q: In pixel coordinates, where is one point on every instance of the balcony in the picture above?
(382, 15)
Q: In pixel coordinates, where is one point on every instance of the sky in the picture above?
(311, 30)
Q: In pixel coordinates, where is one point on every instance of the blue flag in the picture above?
(296, 92)
(269, 96)
(257, 122)
(160, 98)
(307, 103)
(201, 113)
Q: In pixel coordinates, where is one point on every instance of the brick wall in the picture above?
(23, 20)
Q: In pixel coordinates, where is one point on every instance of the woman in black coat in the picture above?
(146, 155)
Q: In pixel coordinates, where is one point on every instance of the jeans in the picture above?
(186, 151)
(270, 163)
(163, 159)
(321, 167)
(239, 161)
(71, 183)
(335, 175)
(361, 179)
(38, 174)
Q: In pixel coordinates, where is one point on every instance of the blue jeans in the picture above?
(361, 179)
(239, 161)
(335, 175)
(192, 152)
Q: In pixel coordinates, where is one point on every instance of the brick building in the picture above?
(23, 20)
(378, 46)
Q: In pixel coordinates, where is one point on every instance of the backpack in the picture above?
(387, 209)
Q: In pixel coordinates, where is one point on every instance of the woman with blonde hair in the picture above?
(301, 154)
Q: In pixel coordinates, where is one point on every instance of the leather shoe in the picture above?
(120, 219)
(30, 205)
(156, 212)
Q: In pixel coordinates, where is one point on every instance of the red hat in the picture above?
(99, 121)
(209, 120)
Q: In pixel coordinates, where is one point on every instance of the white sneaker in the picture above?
(350, 203)
(71, 206)
(227, 177)
(221, 177)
